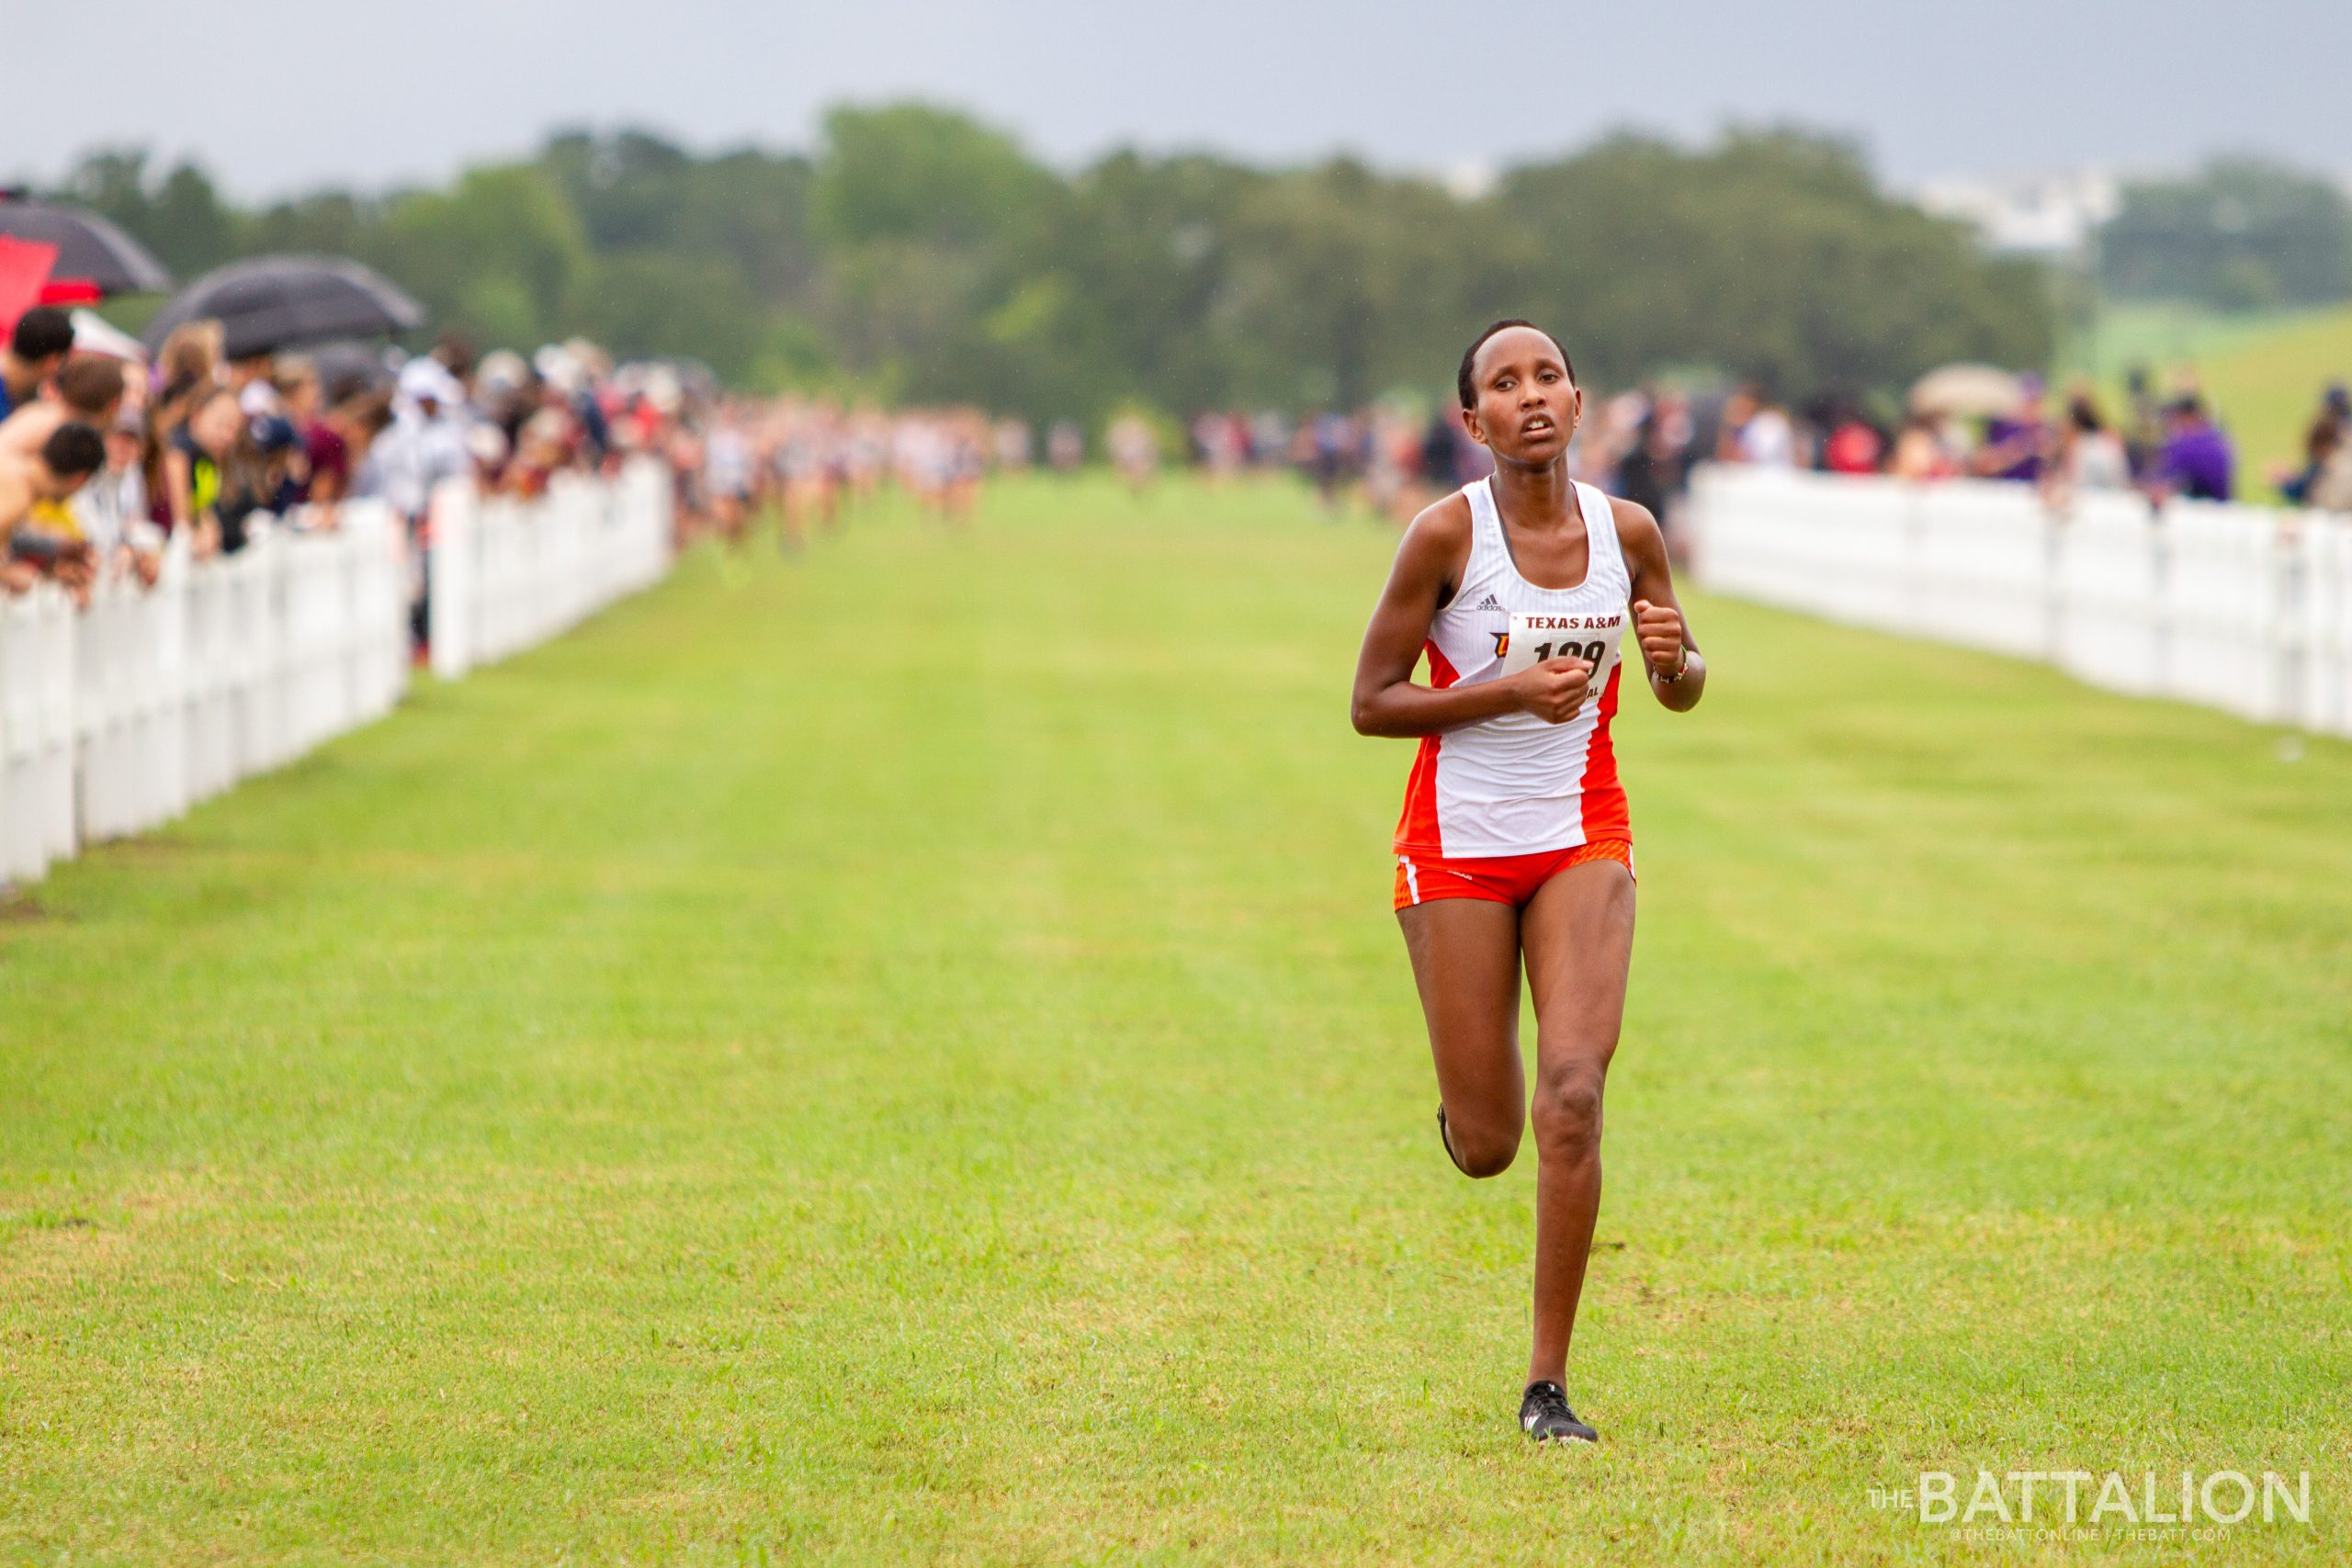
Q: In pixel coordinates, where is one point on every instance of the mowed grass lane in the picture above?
(904, 1055)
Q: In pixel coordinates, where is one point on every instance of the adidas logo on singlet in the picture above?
(1491, 604)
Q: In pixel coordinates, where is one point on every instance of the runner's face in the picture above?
(1527, 407)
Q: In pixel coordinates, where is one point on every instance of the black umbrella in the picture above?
(274, 303)
(90, 251)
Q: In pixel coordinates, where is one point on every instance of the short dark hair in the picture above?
(42, 332)
(74, 451)
(90, 385)
(1468, 393)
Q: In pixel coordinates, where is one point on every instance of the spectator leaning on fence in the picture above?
(252, 380)
(2015, 444)
(187, 369)
(42, 535)
(36, 351)
(112, 508)
(2195, 460)
(196, 463)
(2324, 449)
(2090, 456)
(425, 443)
(2325, 485)
(87, 391)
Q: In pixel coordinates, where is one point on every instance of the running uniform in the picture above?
(1496, 808)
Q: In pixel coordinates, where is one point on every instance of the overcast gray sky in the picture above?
(275, 96)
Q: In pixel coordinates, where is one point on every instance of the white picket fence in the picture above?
(508, 574)
(2243, 608)
(117, 718)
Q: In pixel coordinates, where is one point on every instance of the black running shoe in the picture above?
(1544, 1415)
(1446, 1138)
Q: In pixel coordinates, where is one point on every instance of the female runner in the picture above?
(1515, 842)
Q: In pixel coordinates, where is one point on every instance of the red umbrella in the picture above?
(23, 268)
(95, 259)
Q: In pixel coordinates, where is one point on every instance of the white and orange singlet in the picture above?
(1513, 785)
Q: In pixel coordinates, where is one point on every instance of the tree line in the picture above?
(917, 253)
(2239, 234)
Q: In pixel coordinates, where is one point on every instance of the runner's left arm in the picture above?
(1667, 645)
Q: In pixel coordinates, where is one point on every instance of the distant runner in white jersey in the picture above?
(1515, 838)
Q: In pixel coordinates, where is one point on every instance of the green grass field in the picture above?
(903, 1055)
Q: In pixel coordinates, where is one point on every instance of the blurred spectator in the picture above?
(2090, 456)
(336, 445)
(187, 369)
(1331, 453)
(282, 472)
(1919, 452)
(2323, 439)
(1650, 473)
(1854, 445)
(425, 443)
(1065, 446)
(1756, 430)
(88, 390)
(1135, 450)
(1011, 439)
(2143, 430)
(2327, 484)
(112, 507)
(252, 379)
(215, 473)
(43, 537)
(2016, 446)
(303, 401)
(190, 360)
(36, 351)
(2197, 460)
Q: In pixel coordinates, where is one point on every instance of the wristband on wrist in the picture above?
(1680, 671)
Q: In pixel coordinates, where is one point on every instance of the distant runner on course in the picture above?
(1515, 841)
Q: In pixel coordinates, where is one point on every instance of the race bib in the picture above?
(1534, 638)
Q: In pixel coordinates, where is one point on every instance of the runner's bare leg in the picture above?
(1578, 932)
(1466, 961)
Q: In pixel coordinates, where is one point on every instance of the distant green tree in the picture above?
(913, 174)
(1144, 251)
(2240, 234)
(499, 255)
(935, 227)
(652, 303)
(1772, 256)
(920, 254)
(1338, 285)
(332, 223)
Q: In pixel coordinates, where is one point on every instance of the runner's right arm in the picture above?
(1387, 702)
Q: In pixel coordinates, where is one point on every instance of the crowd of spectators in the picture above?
(2163, 446)
(106, 458)
(1643, 442)
(2324, 481)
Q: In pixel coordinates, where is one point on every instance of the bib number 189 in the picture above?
(1529, 645)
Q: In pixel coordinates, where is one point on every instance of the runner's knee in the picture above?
(1567, 1114)
(1481, 1150)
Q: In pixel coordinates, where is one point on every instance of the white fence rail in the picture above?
(508, 574)
(117, 718)
(2243, 608)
